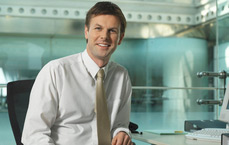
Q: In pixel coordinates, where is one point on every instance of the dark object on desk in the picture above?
(133, 128)
(192, 125)
(224, 139)
(18, 93)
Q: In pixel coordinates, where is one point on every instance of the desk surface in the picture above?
(169, 139)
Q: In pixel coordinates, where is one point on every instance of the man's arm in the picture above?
(121, 132)
(42, 109)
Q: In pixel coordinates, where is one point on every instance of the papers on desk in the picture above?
(166, 132)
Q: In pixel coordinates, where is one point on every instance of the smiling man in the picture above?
(84, 99)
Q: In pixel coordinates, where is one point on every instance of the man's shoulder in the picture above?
(116, 67)
(66, 61)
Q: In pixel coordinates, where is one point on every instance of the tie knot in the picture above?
(100, 73)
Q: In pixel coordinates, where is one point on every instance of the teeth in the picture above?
(102, 45)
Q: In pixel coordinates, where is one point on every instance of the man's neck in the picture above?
(100, 62)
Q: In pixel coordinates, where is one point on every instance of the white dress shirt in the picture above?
(62, 102)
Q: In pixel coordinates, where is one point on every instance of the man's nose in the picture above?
(105, 34)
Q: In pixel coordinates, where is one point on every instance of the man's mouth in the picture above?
(104, 45)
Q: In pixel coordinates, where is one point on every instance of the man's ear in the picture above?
(86, 32)
(121, 38)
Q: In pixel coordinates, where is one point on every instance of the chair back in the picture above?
(18, 93)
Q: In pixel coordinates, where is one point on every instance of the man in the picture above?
(62, 108)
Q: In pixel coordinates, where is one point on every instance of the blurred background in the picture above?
(167, 42)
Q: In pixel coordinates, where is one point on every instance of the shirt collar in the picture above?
(91, 66)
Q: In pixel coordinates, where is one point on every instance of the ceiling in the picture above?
(146, 18)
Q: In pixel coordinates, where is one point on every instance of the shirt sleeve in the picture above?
(42, 109)
(123, 117)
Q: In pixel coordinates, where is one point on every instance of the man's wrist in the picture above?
(126, 130)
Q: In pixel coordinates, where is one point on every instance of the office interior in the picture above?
(167, 42)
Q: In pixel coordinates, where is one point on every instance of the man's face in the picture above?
(103, 36)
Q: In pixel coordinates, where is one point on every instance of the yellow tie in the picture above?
(103, 122)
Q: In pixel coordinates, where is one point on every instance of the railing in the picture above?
(173, 88)
(2, 85)
(2, 98)
(217, 101)
(198, 101)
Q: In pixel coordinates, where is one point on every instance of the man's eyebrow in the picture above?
(98, 25)
(109, 28)
(113, 28)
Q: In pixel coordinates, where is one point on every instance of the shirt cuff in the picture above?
(127, 131)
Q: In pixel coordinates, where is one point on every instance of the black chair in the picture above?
(18, 93)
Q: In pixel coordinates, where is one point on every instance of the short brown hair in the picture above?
(106, 8)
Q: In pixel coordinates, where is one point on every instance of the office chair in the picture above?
(18, 93)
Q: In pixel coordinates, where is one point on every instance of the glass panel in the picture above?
(162, 64)
(23, 57)
(222, 49)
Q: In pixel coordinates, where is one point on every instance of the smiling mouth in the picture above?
(104, 45)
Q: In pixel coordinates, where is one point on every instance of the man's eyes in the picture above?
(109, 30)
(113, 31)
(97, 28)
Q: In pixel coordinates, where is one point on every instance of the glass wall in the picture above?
(159, 62)
(165, 85)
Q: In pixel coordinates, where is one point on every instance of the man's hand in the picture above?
(122, 139)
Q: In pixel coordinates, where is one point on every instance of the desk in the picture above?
(169, 139)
